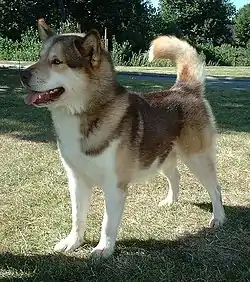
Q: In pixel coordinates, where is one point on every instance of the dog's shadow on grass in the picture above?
(208, 255)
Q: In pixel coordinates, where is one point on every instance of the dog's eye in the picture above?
(56, 62)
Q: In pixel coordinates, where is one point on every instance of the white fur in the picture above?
(75, 97)
(203, 167)
(84, 172)
(71, 81)
(146, 174)
(170, 170)
(90, 168)
(151, 53)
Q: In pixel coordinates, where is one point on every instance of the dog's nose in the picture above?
(25, 76)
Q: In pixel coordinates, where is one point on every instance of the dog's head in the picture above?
(71, 69)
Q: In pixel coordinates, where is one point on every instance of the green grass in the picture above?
(154, 244)
(210, 71)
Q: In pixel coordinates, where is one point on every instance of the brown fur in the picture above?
(149, 124)
(112, 137)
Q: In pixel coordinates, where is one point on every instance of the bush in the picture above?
(225, 55)
(27, 49)
(70, 26)
(122, 55)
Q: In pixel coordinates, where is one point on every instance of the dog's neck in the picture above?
(99, 123)
(103, 112)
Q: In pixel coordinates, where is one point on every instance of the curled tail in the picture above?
(190, 67)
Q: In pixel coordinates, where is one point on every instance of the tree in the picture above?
(200, 21)
(18, 15)
(125, 19)
(242, 25)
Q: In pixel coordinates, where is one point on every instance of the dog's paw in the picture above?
(216, 222)
(69, 244)
(101, 251)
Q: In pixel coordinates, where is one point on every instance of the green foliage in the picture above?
(200, 21)
(70, 25)
(242, 25)
(126, 19)
(225, 55)
(16, 16)
(27, 49)
(120, 52)
(123, 55)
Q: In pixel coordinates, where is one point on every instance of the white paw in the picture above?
(216, 222)
(101, 251)
(167, 202)
(69, 244)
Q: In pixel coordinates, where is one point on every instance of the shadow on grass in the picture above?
(16, 118)
(231, 108)
(209, 255)
(226, 80)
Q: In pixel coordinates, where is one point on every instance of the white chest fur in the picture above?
(93, 168)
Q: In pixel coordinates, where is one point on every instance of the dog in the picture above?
(110, 137)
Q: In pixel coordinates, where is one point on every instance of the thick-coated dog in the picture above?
(110, 137)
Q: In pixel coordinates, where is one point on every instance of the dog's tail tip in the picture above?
(190, 67)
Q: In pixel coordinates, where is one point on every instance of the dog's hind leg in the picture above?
(204, 168)
(170, 170)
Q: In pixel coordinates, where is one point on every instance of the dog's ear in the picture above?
(44, 30)
(90, 46)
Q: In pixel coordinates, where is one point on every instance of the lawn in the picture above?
(226, 71)
(154, 244)
(209, 70)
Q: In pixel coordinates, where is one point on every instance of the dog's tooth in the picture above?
(39, 96)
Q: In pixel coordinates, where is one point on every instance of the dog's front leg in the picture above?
(80, 195)
(114, 205)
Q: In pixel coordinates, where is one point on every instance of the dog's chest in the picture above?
(71, 144)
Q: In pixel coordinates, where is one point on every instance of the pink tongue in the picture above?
(31, 98)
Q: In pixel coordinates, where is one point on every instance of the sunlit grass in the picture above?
(154, 244)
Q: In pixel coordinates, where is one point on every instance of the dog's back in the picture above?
(110, 137)
(178, 119)
(198, 128)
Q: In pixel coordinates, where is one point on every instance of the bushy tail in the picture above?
(190, 67)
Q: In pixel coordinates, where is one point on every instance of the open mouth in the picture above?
(38, 98)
